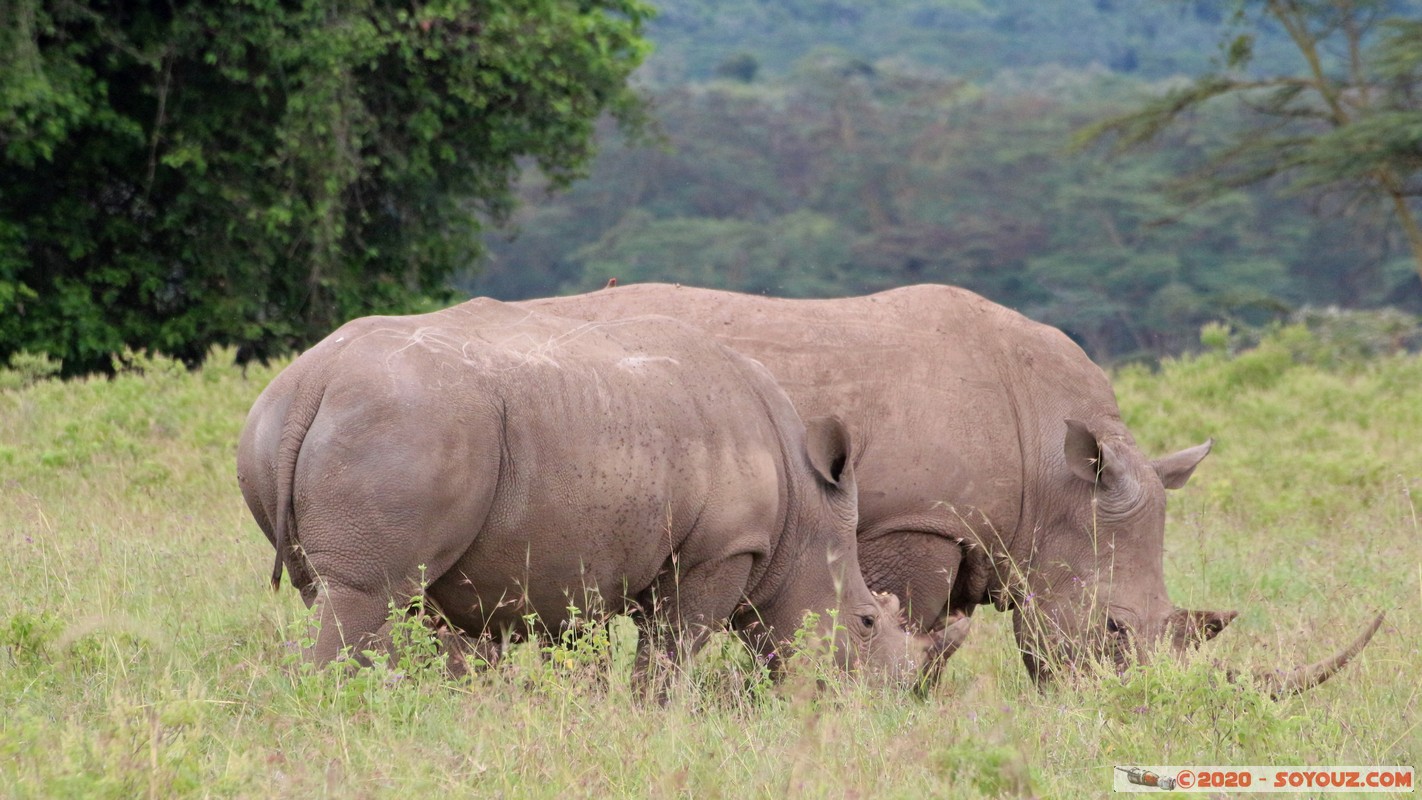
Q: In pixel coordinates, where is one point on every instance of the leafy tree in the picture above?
(1349, 118)
(179, 174)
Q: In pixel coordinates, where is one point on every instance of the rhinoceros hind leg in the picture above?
(347, 618)
(468, 654)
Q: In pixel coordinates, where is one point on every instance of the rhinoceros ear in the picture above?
(827, 444)
(1082, 451)
(1175, 469)
(1106, 469)
(1096, 463)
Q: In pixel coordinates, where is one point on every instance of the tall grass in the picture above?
(142, 653)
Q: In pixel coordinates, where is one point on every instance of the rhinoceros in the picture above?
(517, 464)
(992, 462)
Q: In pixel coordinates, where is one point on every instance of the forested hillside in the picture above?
(1128, 170)
(1154, 38)
(819, 148)
(844, 173)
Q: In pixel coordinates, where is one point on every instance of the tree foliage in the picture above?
(180, 174)
(845, 177)
(1348, 117)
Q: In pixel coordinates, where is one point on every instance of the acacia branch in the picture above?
(1289, 15)
(1354, 34)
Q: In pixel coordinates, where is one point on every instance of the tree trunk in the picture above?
(1410, 228)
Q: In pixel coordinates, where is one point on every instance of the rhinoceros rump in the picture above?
(520, 463)
(992, 462)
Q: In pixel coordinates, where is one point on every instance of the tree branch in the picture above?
(1291, 17)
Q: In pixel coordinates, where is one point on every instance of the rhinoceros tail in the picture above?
(299, 417)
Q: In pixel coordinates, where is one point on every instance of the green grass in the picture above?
(142, 653)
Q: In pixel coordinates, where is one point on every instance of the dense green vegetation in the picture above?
(1344, 119)
(163, 187)
(804, 170)
(841, 179)
(174, 175)
(142, 652)
(697, 39)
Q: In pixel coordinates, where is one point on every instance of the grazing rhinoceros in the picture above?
(992, 462)
(521, 463)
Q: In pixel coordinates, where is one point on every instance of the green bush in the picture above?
(170, 189)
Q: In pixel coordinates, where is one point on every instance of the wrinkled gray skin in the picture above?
(521, 463)
(992, 461)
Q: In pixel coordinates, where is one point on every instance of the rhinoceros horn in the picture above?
(1282, 684)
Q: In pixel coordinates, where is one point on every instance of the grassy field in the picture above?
(143, 654)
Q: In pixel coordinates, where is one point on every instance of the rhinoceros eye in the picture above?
(868, 620)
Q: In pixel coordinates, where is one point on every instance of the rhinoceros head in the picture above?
(867, 629)
(1093, 584)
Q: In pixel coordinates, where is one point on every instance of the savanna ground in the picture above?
(143, 654)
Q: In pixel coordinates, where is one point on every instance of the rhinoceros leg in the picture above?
(679, 613)
(467, 654)
(347, 618)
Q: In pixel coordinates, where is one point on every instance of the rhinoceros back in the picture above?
(925, 376)
(523, 459)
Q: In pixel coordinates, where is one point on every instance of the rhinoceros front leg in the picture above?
(679, 613)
